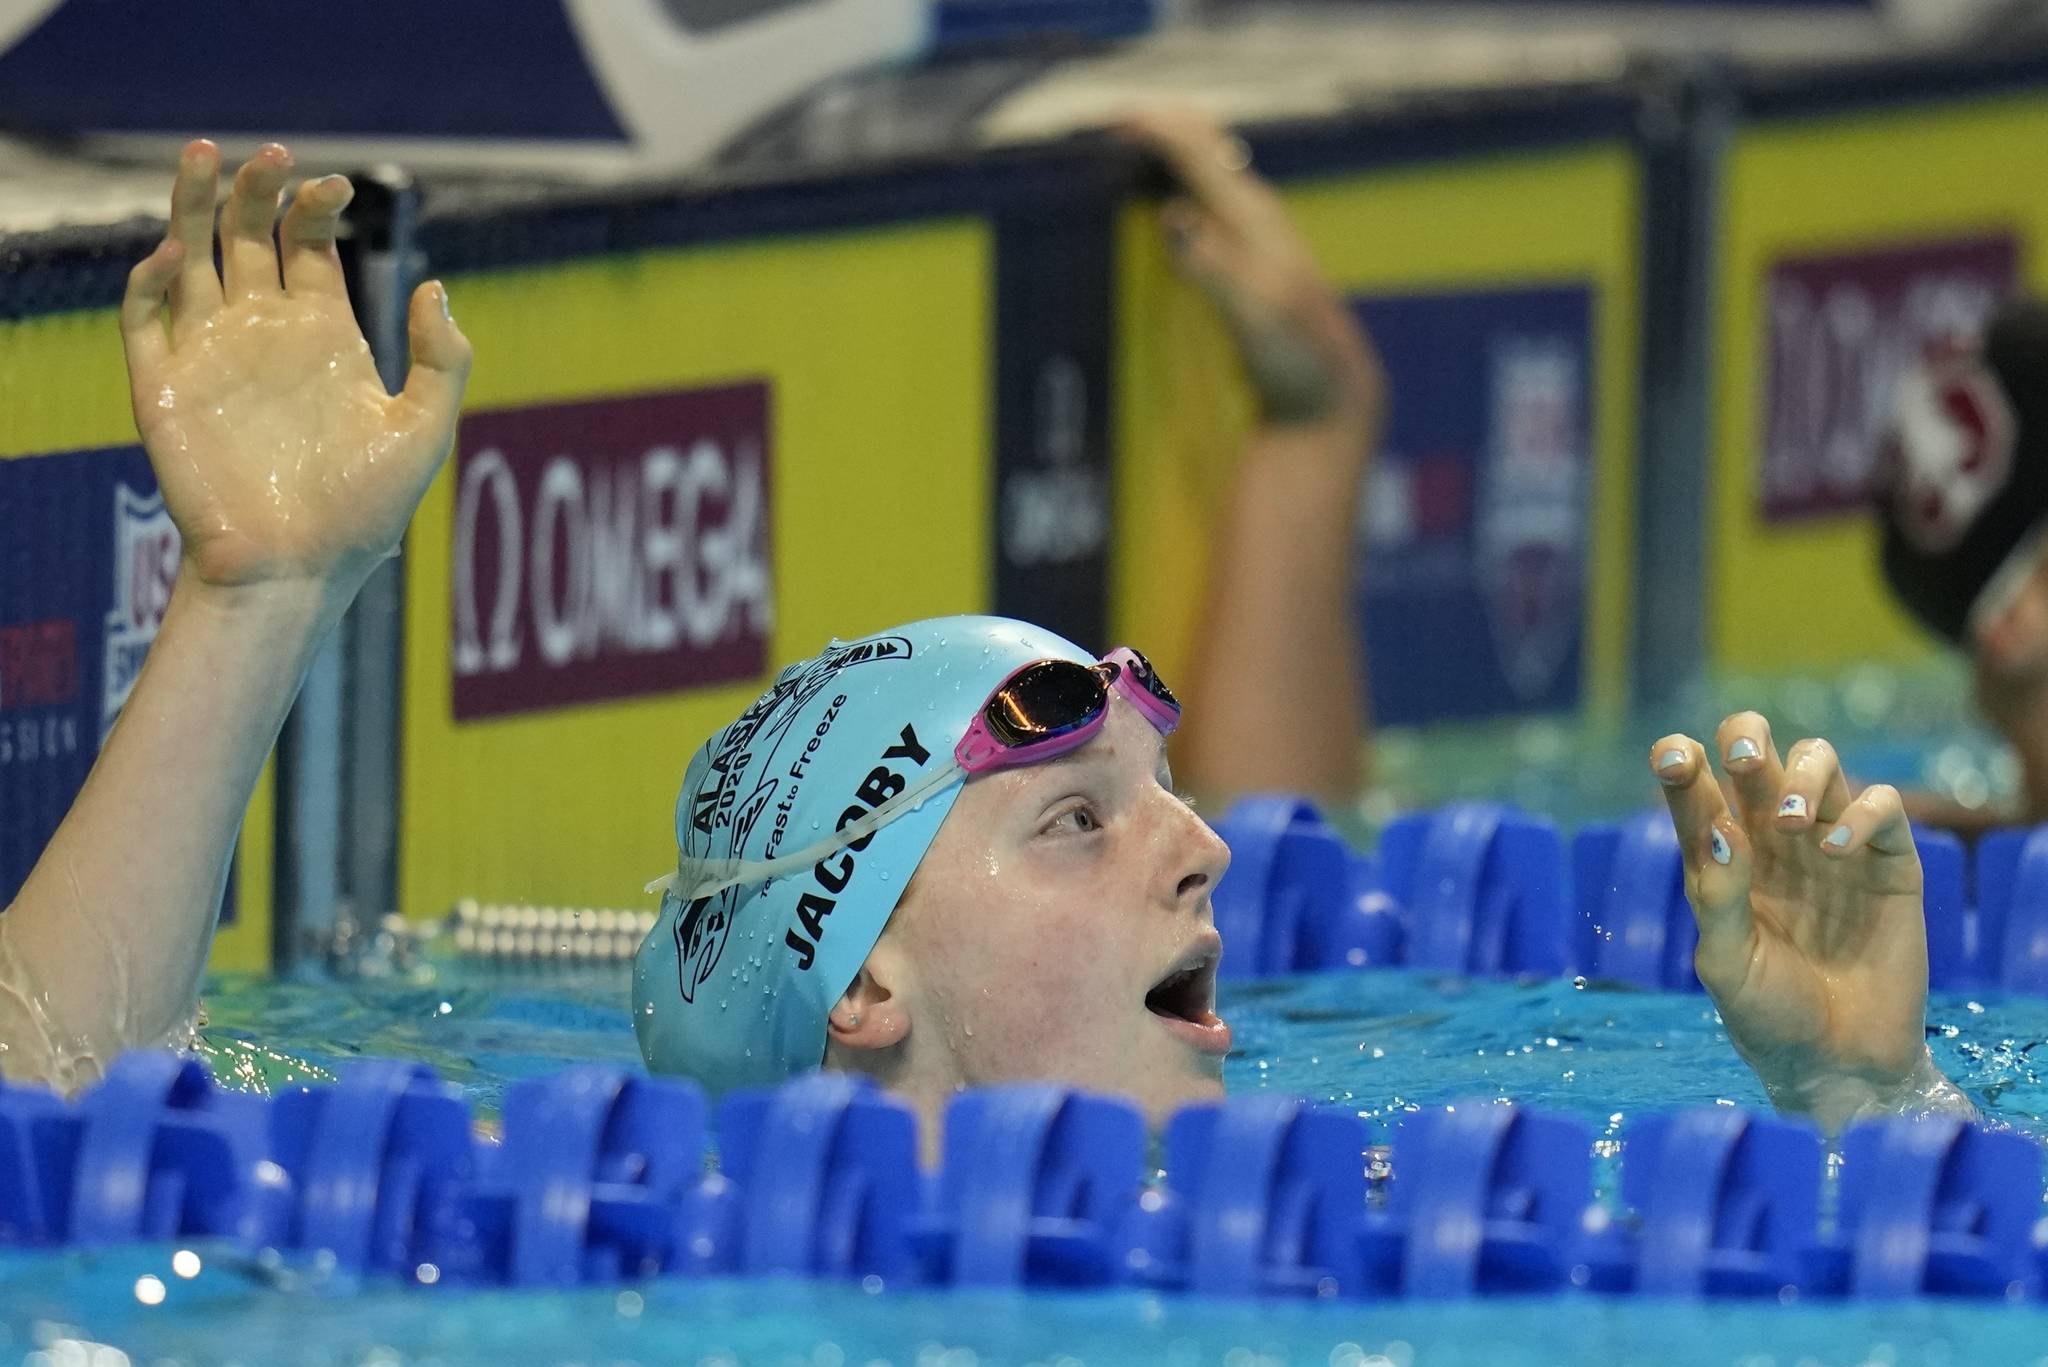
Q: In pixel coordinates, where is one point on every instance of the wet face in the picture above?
(1059, 928)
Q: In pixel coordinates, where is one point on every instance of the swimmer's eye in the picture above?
(1080, 819)
(1186, 800)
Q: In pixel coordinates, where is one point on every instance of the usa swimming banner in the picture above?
(1477, 531)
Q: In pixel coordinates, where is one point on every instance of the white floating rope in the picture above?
(527, 933)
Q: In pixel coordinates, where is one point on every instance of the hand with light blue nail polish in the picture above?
(1813, 941)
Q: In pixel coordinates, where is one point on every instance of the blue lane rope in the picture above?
(1483, 889)
(601, 1176)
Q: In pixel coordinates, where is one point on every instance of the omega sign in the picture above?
(611, 548)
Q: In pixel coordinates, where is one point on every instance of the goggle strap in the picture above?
(709, 877)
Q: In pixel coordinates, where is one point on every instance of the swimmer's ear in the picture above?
(869, 1015)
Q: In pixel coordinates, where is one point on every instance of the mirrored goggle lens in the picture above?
(1141, 669)
(1046, 700)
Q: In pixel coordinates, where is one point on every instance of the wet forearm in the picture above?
(105, 944)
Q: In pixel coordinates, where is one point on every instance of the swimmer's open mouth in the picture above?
(1185, 999)
(1185, 994)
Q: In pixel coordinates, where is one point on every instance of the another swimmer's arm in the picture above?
(1813, 939)
(1277, 690)
(290, 474)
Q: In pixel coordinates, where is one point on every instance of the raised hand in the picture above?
(1231, 235)
(280, 455)
(1813, 941)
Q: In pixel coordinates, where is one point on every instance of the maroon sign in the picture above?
(1840, 330)
(611, 548)
(38, 663)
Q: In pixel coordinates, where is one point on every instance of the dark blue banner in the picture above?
(1476, 529)
(1055, 283)
(87, 559)
(486, 69)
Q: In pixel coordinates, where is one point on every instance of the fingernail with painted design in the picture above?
(1793, 805)
(1717, 844)
(1743, 748)
(1670, 760)
(1838, 838)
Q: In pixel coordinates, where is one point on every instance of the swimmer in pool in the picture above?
(1964, 507)
(942, 855)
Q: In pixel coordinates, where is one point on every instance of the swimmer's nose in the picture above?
(1202, 862)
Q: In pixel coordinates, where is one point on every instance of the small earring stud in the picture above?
(853, 1021)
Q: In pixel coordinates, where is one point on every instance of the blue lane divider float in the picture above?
(601, 1176)
(1727, 1205)
(375, 1162)
(1264, 1197)
(827, 1172)
(1296, 898)
(35, 1144)
(1493, 1199)
(1954, 956)
(158, 1152)
(1933, 1207)
(2011, 941)
(1483, 889)
(1037, 1188)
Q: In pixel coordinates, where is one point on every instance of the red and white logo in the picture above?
(1844, 331)
(611, 548)
(1952, 447)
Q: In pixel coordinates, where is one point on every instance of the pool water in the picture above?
(1379, 1041)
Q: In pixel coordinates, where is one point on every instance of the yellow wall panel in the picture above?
(1809, 595)
(876, 348)
(64, 387)
(1555, 218)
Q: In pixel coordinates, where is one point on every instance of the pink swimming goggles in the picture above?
(1050, 707)
(1040, 712)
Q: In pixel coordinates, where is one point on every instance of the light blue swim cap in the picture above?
(733, 989)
